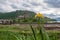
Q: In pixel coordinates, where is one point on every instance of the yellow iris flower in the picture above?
(39, 15)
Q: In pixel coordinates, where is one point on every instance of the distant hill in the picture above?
(49, 19)
(58, 19)
(14, 14)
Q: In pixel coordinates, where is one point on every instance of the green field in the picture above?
(14, 32)
(7, 35)
(4, 35)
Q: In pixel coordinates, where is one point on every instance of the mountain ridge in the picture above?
(14, 14)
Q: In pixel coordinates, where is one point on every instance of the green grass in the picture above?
(4, 35)
(13, 32)
(7, 35)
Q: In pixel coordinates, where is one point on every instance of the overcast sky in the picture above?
(43, 6)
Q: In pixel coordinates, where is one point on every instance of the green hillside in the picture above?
(14, 14)
(8, 15)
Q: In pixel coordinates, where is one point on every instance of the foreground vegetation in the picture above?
(18, 32)
(9, 35)
(8, 32)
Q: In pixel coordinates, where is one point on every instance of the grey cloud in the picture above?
(25, 5)
(14, 6)
(35, 4)
(3, 1)
(1, 10)
(17, 4)
(53, 3)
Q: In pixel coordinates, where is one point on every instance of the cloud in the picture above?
(43, 6)
(53, 3)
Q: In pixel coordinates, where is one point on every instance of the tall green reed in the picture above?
(43, 34)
